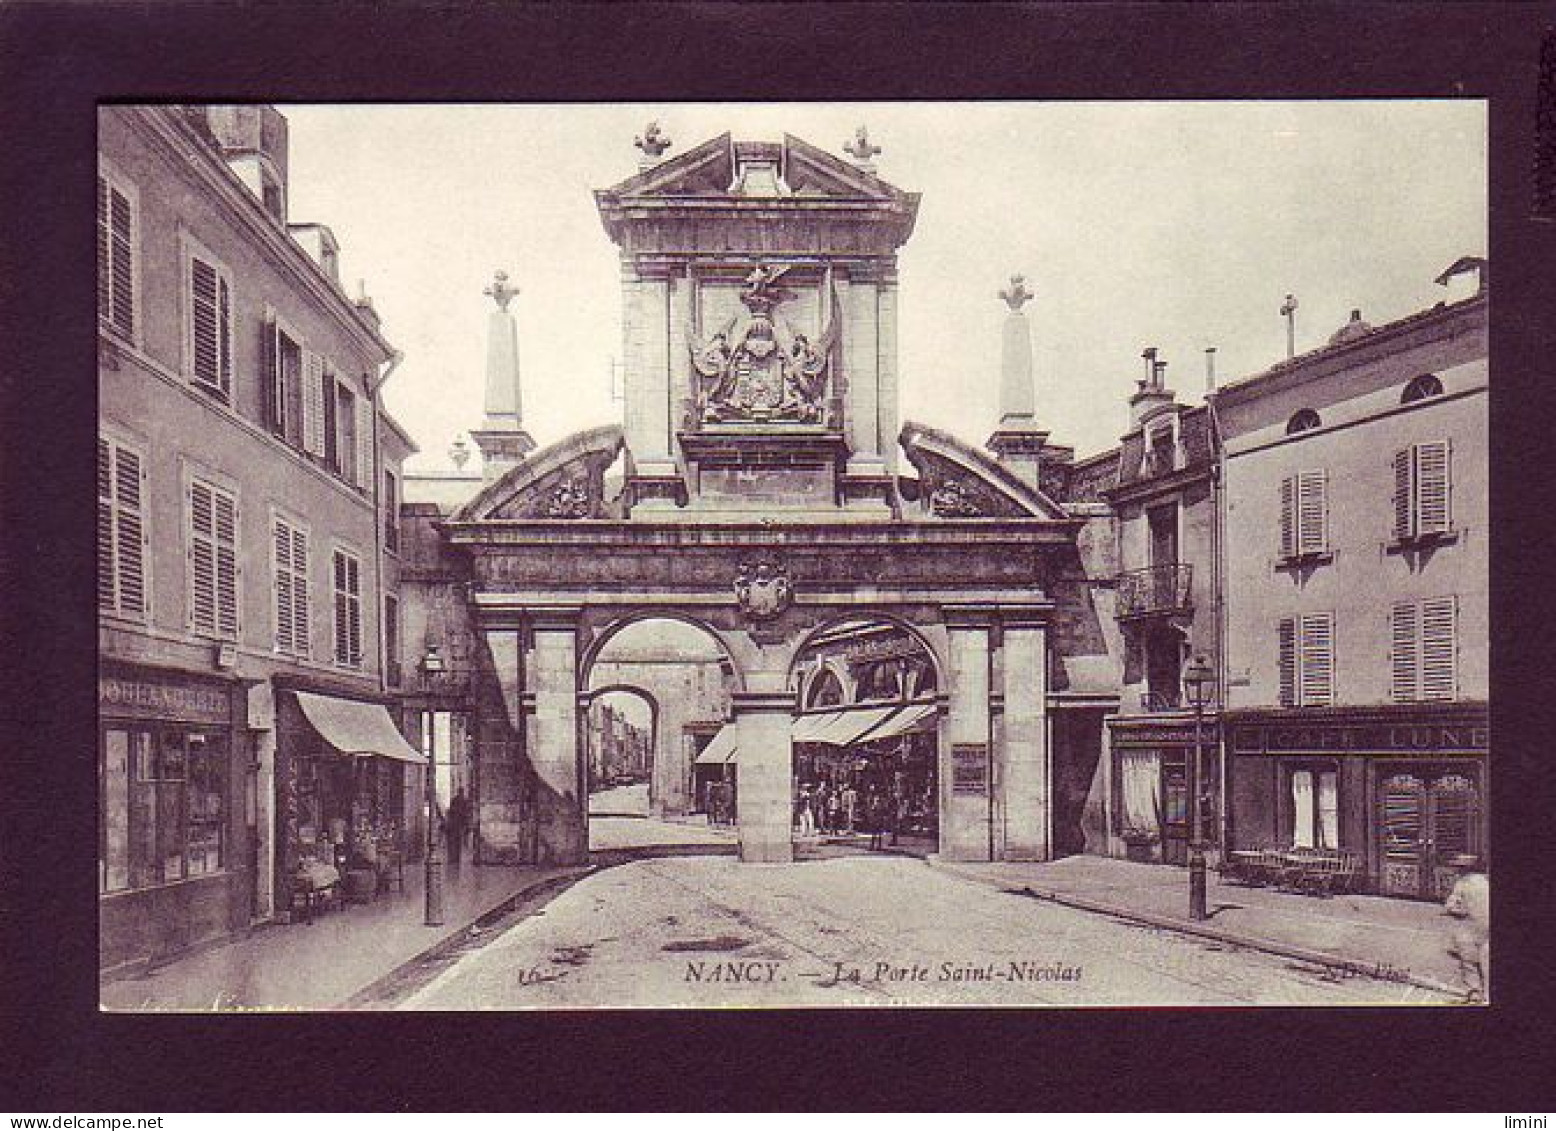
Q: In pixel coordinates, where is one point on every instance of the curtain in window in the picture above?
(1328, 810)
(1141, 779)
(1302, 809)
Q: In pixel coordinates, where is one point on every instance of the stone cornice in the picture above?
(188, 151)
(978, 532)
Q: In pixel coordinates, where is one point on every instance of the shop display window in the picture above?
(163, 808)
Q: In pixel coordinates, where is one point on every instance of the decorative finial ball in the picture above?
(1017, 295)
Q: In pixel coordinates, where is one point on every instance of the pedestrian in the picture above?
(819, 804)
(458, 822)
(805, 819)
(835, 810)
(875, 819)
(1469, 936)
(850, 807)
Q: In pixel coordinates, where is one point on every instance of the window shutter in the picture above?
(356, 612)
(205, 323)
(1288, 518)
(107, 569)
(1312, 512)
(1317, 659)
(225, 513)
(1439, 648)
(104, 253)
(364, 477)
(1404, 654)
(275, 393)
(342, 614)
(130, 533)
(224, 333)
(302, 624)
(313, 405)
(1404, 495)
(1432, 515)
(285, 641)
(202, 559)
(1286, 661)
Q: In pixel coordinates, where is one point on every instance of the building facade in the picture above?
(247, 525)
(1165, 603)
(1356, 563)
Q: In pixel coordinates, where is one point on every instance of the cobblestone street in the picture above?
(706, 931)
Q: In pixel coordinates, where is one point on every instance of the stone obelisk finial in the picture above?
(501, 438)
(1019, 443)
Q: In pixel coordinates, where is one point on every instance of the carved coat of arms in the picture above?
(763, 589)
(757, 367)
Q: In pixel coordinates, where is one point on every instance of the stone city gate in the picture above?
(761, 499)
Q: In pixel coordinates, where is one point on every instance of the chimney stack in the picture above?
(1210, 369)
(1151, 394)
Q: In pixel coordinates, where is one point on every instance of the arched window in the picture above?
(1422, 387)
(1303, 420)
(825, 690)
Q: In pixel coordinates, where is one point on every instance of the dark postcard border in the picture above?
(60, 59)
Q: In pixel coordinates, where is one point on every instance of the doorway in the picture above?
(1429, 821)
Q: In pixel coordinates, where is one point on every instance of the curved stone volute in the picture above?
(563, 481)
(958, 481)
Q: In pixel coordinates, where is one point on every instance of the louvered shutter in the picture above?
(302, 623)
(342, 613)
(356, 611)
(104, 253)
(1404, 495)
(1288, 518)
(106, 568)
(205, 323)
(224, 332)
(275, 388)
(129, 533)
(1432, 501)
(313, 405)
(1312, 512)
(364, 443)
(202, 558)
(1286, 661)
(282, 539)
(225, 512)
(1439, 648)
(1404, 651)
(1316, 667)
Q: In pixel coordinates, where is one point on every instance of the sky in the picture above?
(1177, 225)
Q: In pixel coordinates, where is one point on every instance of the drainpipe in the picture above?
(373, 386)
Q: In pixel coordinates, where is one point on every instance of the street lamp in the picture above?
(432, 665)
(1199, 682)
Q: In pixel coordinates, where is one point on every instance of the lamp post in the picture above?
(431, 666)
(1199, 683)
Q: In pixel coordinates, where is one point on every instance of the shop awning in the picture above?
(848, 726)
(913, 717)
(720, 750)
(357, 728)
(807, 727)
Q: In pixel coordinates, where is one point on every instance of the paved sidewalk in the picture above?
(319, 965)
(1355, 935)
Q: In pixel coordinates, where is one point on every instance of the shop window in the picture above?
(1423, 491)
(1315, 807)
(122, 541)
(163, 806)
(210, 325)
(1424, 647)
(1306, 660)
(116, 252)
(213, 560)
(1303, 420)
(1420, 388)
(347, 574)
(1304, 515)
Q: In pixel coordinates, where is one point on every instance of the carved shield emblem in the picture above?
(763, 589)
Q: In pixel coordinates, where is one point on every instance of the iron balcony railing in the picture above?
(1156, 590)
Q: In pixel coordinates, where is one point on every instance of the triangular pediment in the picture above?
(711, 169)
